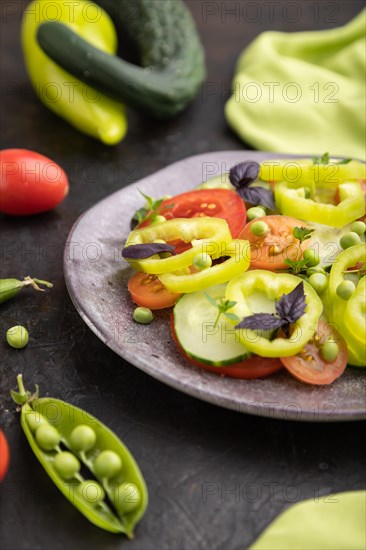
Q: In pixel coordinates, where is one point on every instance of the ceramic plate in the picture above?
(96, 278)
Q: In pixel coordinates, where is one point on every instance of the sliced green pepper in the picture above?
(84, 107)
(291, 201)
(238, 262)
(255, 292)
(348, 316)
(209, 235)
(305, 171)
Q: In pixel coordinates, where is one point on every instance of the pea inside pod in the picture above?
(63, 437)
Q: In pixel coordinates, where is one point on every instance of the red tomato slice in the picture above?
(270, 251)
(147, 291)
(215, 203)
(254, 367)
(4, 455)
(30, 183)
(308, 365)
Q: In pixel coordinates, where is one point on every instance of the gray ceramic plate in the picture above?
(96, 278)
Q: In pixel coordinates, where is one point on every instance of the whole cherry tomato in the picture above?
(4, 455)
(30, 183)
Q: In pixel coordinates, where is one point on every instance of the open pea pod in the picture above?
(62, 436)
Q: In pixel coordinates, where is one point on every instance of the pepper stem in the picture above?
(35, 282)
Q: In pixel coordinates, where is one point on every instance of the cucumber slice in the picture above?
(194, 319)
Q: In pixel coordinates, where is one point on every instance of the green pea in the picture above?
(66, 464)
(91, 491)
(255, 212)
(358, 227)
(107, 464)
(158, 219)
(17, 337)
(349, 239)
(202, 261)
(143, 315)
(34, 420)
(47, 437)
(82, 438)
(311, 257)
(126, 497)
(259, 229)
(329, 351)
(319, 282)
(345, 290)
(315, 269)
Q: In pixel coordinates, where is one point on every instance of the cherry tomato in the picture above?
(269, 251)
(147, 291)
(309, 366)
(254, 367)
(4, 455)
(30, 183)
(215, 203)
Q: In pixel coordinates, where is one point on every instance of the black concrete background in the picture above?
(216, 478)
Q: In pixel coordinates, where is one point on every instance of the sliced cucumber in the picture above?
(325, 241)
(194, 324)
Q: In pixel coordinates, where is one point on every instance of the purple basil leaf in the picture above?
(291, 306)
(142, 251)
(258, 195)
(261, 321)
(244, 173)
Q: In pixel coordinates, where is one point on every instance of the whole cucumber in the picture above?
(172, 56)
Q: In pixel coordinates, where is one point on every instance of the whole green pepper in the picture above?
(63, 437)
(82, 106)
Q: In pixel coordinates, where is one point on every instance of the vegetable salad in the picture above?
(263, 268)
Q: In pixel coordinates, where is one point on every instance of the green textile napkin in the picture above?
(303, 92)
(337, 522)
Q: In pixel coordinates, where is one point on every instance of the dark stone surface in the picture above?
(216, 477)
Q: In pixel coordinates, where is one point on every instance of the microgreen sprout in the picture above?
(222, 306)
(149, 211)
(302, 233)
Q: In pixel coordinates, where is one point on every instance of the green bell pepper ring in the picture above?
(255, 292)
(238, 262)
(291, 201)
(348, 316)
(355, 313)
(83, 107)
(303, 170)
(206, 234)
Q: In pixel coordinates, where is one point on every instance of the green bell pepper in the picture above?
(305, 171)
(291, 200)
(87, 109)
(348, 316)
(255, 292)
(208, 235)
(238, 252)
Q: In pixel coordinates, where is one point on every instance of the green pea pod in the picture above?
(10, 287)
(82, 106)
(125, 486)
